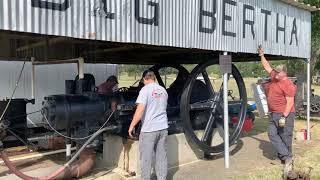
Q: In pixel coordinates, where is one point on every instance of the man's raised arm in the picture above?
(264, 61)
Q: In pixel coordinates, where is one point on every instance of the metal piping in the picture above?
(308, 98)
(226, 119)
(37, 155)
(79, 169)
(33, 79)
(81, 68)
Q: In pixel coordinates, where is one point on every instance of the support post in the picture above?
(308, 98)
(226, 119)
(68, 152)
(81, 68)
(33, 78)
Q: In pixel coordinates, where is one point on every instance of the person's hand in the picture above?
(130, 131)
(260, 51)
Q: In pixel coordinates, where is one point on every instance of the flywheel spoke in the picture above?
(204, 105)
(208, 83)
(209, 129)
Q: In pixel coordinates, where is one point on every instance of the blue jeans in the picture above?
(281, 137)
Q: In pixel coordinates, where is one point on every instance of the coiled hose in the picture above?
(62, 169)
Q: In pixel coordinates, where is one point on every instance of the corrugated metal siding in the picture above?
(178, 23)
(50, 79)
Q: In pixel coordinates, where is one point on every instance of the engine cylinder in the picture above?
(85, 110)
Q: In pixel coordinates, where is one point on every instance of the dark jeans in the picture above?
(281, 137)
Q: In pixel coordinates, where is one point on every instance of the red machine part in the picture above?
(247, 125)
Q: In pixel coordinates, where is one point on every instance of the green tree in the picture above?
(315, 49)
(133, 70)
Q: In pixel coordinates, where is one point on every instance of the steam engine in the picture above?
(82, 111)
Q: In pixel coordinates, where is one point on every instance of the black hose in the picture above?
(94, 135)
(62, 169)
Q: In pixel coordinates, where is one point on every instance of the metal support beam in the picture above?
(308, 98)
(66, 61)
(81, 68)
(226, 119)
(43, 43)
(33, 78)
(112, 50)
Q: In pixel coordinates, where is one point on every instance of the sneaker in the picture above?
(288, 166)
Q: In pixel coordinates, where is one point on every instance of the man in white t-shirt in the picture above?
(151, 110)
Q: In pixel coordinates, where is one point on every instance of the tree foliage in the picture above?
(298, 66)
(315, 23)
(315, 54)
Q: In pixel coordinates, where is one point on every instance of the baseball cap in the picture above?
(147, 72)
(281, 67)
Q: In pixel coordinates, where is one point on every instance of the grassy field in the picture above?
(127, 81)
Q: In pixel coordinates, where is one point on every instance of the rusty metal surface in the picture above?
(202, 24)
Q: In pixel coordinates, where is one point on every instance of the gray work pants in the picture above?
(281, 137)
(150, 144)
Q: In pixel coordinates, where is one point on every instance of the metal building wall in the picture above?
(178, 23)
(50, 79)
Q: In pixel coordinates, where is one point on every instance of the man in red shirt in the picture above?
(280, 94)
(109, 87)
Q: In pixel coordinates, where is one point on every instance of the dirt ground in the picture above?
(306, 154)
(252, 158)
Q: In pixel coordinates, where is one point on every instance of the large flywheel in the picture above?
(201, 107)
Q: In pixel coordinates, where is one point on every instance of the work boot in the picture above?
(288, 166)
(280, 157)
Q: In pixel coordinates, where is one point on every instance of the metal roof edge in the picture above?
(301, 5)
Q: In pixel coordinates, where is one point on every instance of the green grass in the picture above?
(127, 81)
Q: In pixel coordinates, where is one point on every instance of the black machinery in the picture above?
(194, 106)
(82, 115)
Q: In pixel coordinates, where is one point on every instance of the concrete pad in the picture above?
(124, 153)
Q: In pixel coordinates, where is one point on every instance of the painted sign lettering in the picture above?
(51, 5)
(151, 21)
(210, 14)
(207, 16)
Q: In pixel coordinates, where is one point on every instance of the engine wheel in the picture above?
(202, 107)
(315, 105)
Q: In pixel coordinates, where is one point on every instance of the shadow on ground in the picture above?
(267, 148)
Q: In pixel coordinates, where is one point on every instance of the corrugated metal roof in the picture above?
(301, 5)
(215, 25)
